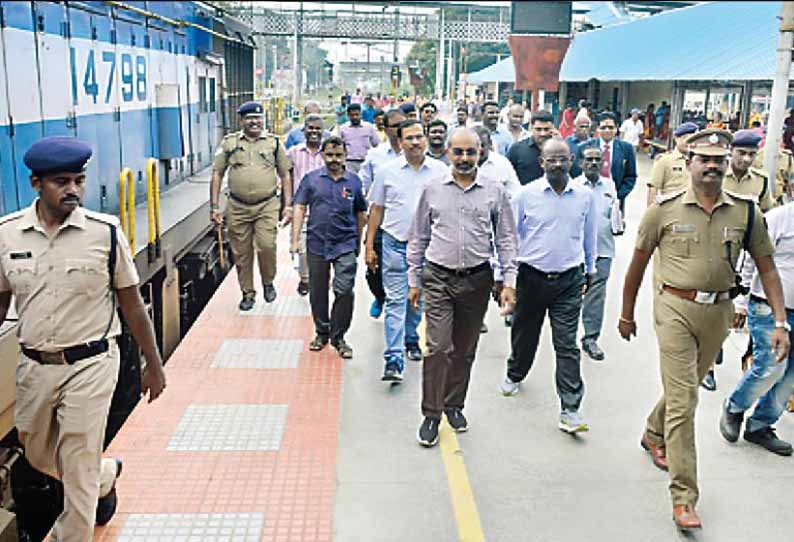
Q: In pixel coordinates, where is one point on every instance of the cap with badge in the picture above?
(685, 129)
(58, 154)
(746, 138)
(251, 108)
(407, 107)
(710, 142)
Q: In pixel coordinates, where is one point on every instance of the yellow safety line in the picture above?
(467, 517)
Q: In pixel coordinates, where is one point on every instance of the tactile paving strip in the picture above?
(243, 527)
(230, 428)
(284, 305)
(258, 354)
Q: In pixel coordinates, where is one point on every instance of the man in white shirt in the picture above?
(495, 166)
(593, 301)
(631, 130)
(766, 379)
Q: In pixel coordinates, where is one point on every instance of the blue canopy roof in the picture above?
(502, 72)
(715, 41)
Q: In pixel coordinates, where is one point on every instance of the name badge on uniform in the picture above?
(21, 255)
(678, 169)
(683, 228)
(347, 193)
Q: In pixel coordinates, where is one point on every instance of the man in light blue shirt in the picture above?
(557, 229)
(394, 197)
(593, 302)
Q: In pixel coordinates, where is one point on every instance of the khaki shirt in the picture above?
(669, 173)
(754, 183)
(694, 246)
(785, 169)
(252, 165)
(61, 284)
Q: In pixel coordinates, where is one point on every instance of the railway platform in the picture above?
(258, 439)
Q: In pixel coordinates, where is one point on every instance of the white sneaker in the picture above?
(508, 387)
(572, 422)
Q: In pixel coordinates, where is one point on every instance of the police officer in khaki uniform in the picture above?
(65, 267)
(699, 233)
(253, 158)
(742, 177)
(669, 173)
(785, 171)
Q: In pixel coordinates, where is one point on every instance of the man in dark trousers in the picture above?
(338, 212)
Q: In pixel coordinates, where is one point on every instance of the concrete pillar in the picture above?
(747, 101)
(780, 87)
(440, 56)
(563, 95)
(624, 99)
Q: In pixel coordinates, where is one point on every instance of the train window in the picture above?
(202, 88)
(212, 95)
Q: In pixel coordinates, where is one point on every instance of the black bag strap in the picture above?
(114, 243)
(750, 222)
(764, 189)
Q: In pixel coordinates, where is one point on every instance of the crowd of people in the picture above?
(450, 215)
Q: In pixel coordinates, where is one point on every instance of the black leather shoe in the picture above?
(767, 438)
(592, 350)
(318, 343)
(457, 421)
(247, 304)
(709, 381)
(107, 504)
(270, 293)
(303, 289)
(730, 423)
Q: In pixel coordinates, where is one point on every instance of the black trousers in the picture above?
(375, 278)
(344, 280)
(561, 297)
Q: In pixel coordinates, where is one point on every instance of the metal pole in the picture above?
(780, 88)
(440, 56)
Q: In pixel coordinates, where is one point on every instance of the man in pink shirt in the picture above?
(306, 157)
(359, 137)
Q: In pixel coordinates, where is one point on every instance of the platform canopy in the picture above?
(501, 72)
(714, 41)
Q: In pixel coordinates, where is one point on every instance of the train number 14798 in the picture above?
(94, 75)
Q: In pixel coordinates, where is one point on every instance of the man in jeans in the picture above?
(557, 228)
(338, 212)
(593, 303)
(394, 196)
(768, 378)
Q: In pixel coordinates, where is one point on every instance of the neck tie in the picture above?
(605, 160)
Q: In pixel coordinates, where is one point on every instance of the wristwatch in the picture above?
(785, 325)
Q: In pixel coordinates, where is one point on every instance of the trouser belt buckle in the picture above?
(706, 298)
(53, 358)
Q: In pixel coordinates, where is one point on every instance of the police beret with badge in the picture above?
(685, 129)
(746, 138)
(250, 108)
(58, 154)
(710, 142)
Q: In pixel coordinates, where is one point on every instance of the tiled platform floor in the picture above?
(284, 494)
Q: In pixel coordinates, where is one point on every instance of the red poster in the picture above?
(537, 60)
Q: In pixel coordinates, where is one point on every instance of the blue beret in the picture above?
(250, 108)
(685, 128)
(57, 154)
(407, 107)
(746, 138)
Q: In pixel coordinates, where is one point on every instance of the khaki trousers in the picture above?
(252, 229)
(690, 335)
(61, 413)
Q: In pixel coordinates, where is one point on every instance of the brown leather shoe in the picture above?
(685, 517)
(658, 454)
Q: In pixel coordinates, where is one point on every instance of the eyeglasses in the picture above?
(592, 158)
(554, 161)
(461, 152)
(606, 127)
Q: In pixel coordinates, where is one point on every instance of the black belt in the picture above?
(68, 356)
(354, 159)
(463, 272)
(758, 299)
(549, 276)
(240, 200)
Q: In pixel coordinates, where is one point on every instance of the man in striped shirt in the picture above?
(306, 157)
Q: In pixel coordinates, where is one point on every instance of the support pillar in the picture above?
(747, 102)
(780, 88)
(563, 96)
(440, 57)
(624, 99)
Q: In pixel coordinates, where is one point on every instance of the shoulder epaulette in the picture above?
(759, 171)
(659, 156)
(736, 195)
(664, 198)
(101, 217)
(12, 216)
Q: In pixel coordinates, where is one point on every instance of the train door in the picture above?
(202, 114)
(24, 107)
(52, 53)
(94, 72)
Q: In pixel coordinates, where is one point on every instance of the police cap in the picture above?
(746, 138)
(407, 107)
(57, 154)
(685, 129)
(250, 108)
(710, 142)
